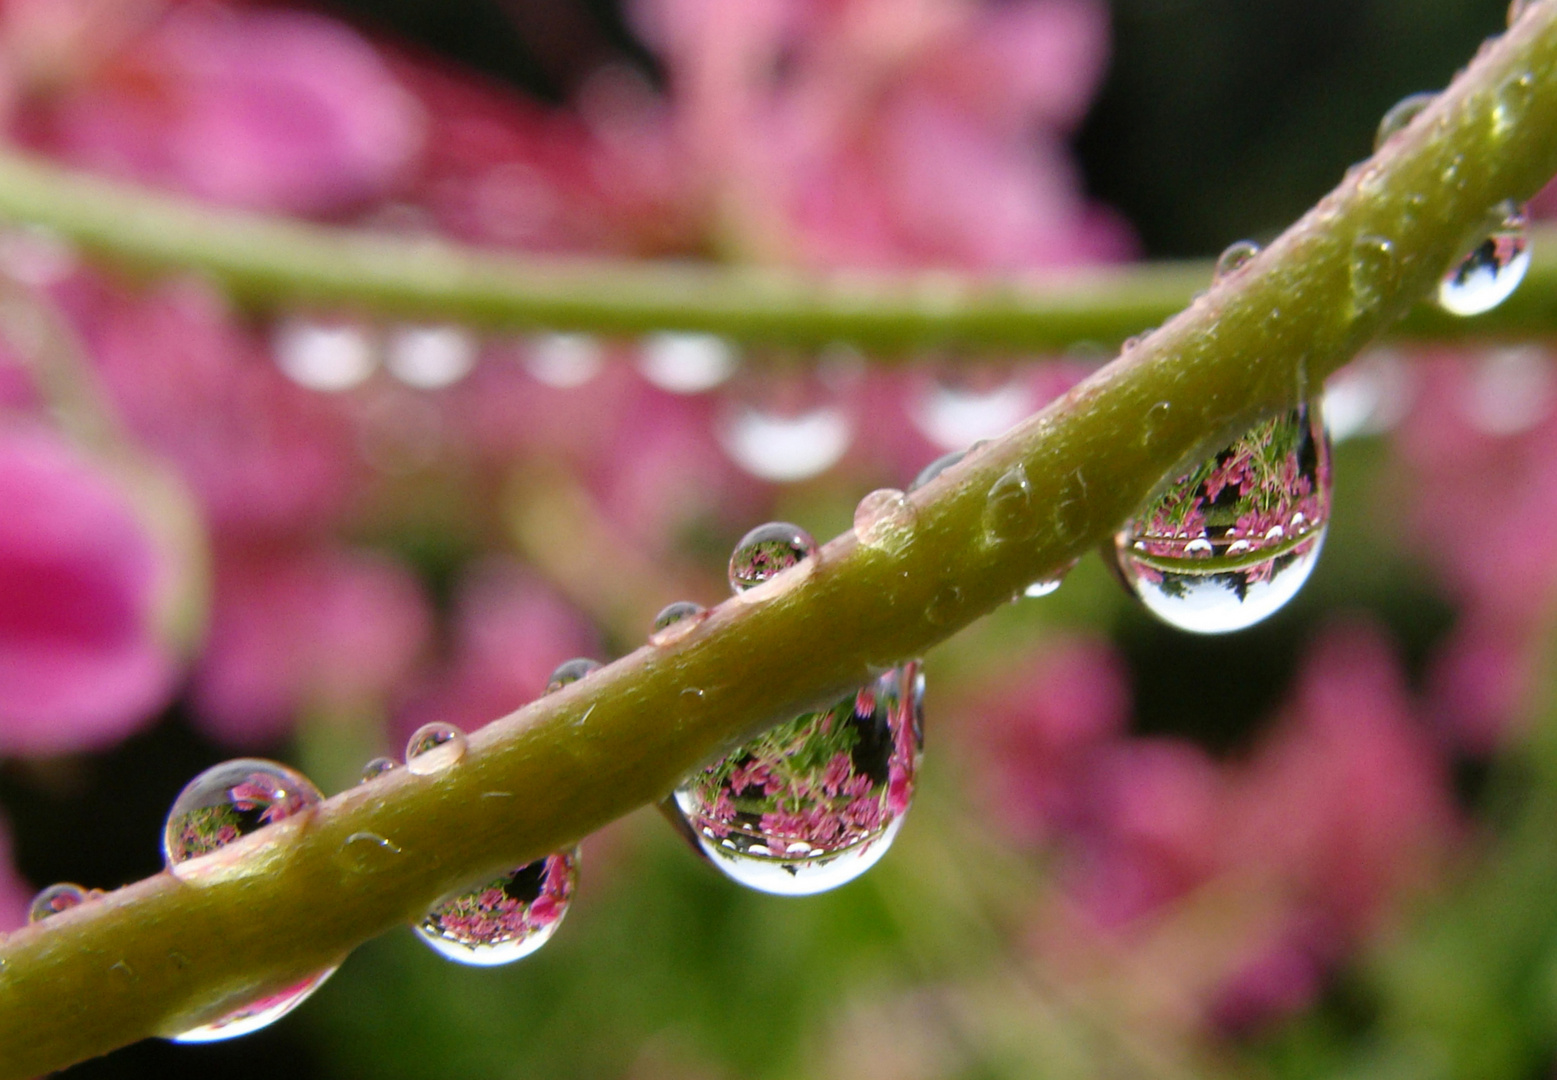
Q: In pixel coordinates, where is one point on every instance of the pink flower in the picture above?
(278, 110)
(83, 661)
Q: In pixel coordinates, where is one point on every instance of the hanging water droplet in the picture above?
(229, 801)
(1369, 396)
(1231, 542)
(433, 748)
(569, 672)
(1047, 585)
(785, 447)
(222, 804)
(329, 357)
(768, 551)
(817, 801)
(686, 363)
(884, 519)
(1008, 509)
(1237, 255)
(1492, 270)
(936, 468)
(563, 361)
(430, 357)
(1372, 269)
(378, 767)
(1511, 391)
(958, 406)
(55, 899)
(676, 621)
(506, 919)
(1400, 116)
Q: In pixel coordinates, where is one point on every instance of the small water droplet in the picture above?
(368, 852)
(378, 767)
(430, 357)
(691, 695)
(506, 919)
(1048, 585)
(957, 407)
(1207, 556)
(563, 361)
(1372, 269)
(1154, 420)
(433, 748)
(1237, 255)
(884, 519)
(571, 671)
(1008, 509)
(943, 605)
(686, 363)
(222, 804)
(55, 899)
(817, 801)
(676, 621)
(1492, 270)
(229, 801)
(1399, 117)
(936, 468)
(328, 357)
(768, 551)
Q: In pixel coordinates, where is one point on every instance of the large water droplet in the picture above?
(571, 671)
(1236, 256)
(1400, 116)
(954, 409)
(222, 804)
(1492, 270)
(229, 801)
(55, 899)
(506, 919)
(686, 363)
(815, 802)
(563, 361)
(768, 551)
(433, 748)
(884, 519)
(1231, 542)
(330, 357)
(936, 468)
(676, 621)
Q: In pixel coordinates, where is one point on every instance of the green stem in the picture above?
(268, 261)
(164, 953)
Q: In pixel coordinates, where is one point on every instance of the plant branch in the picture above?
(164, 954)
(270, 261)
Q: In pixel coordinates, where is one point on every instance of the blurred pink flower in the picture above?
(293, 630)
(82, 658)
(271, 109)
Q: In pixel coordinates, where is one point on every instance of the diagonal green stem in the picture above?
(163, 954)
(268, 261)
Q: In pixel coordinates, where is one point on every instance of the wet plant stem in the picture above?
(166, 953)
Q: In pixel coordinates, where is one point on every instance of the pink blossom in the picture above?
(83, 661)
(277, 110)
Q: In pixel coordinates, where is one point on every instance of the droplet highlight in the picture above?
(817, 801)
(433, 748)
(676, 621)
(1492, 270)
(1399, 117)
(768, 551)
(571, 671)
(505, 919)
(884, 519)
(1230, 543)
(55, 899)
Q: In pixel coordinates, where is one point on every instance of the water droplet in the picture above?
(956, 408)
(1400, 116)
(229, 801)
(936, 468)
(768, 551)
(55, 899)
(1368, 396)
(676, 621)
(943, 605)
(368, 852)
(884, 519)
(569, 672)
(817, 801)
(430, 357)
(1008, 509)
(378, 767)
(1238, 255)
(329, 357)
(506, 919)
(1372, 268)
(686, 363)
(222, 804)
(563, 361)
(257, 1014)
(1231, 542)
(1048, 585)
(433, 748)
(1494, 268)
(785, 447)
